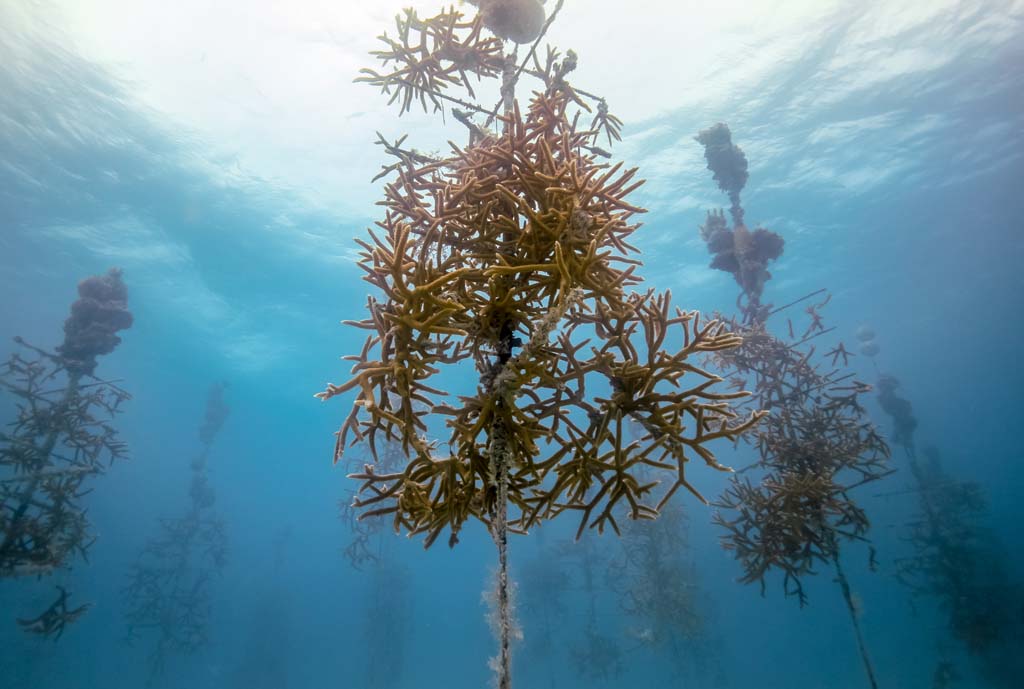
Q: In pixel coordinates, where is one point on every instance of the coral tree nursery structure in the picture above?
(596, 656)
(168, 593)
(656, 579)
(816, 444)
(59, 439)
(956, 561)
(511, 254)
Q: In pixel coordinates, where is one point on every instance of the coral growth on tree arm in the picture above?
(736, 250)
(55, 619)
(90, 331)
(431, 55)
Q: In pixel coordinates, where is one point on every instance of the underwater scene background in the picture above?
(221, 157)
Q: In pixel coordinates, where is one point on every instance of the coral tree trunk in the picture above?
(499, 532)
(500, 458)
(848, 597)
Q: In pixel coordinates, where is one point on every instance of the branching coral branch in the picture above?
(431, 55)
(55, 619)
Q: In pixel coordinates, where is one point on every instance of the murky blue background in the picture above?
(886, 146)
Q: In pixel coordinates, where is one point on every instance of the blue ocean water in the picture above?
(886, 145)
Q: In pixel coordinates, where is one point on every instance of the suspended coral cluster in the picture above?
(545, 584)
(816, 442)
(655, 580)
(386, 626)
(896, 407)
(743, 253)
(814, 447)
(955, 558)
(216, 414)
(59, 439)
(364, 546)
(598, 657)
(168, 594)
(728, 165)
(904, 423)
(91, 330)
(267, 653)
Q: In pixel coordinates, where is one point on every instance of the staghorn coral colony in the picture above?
(510, 254)
(899, 410)
(59, 440)
(817, 443)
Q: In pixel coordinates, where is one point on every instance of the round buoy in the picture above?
(865, 334)
(517, 20)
